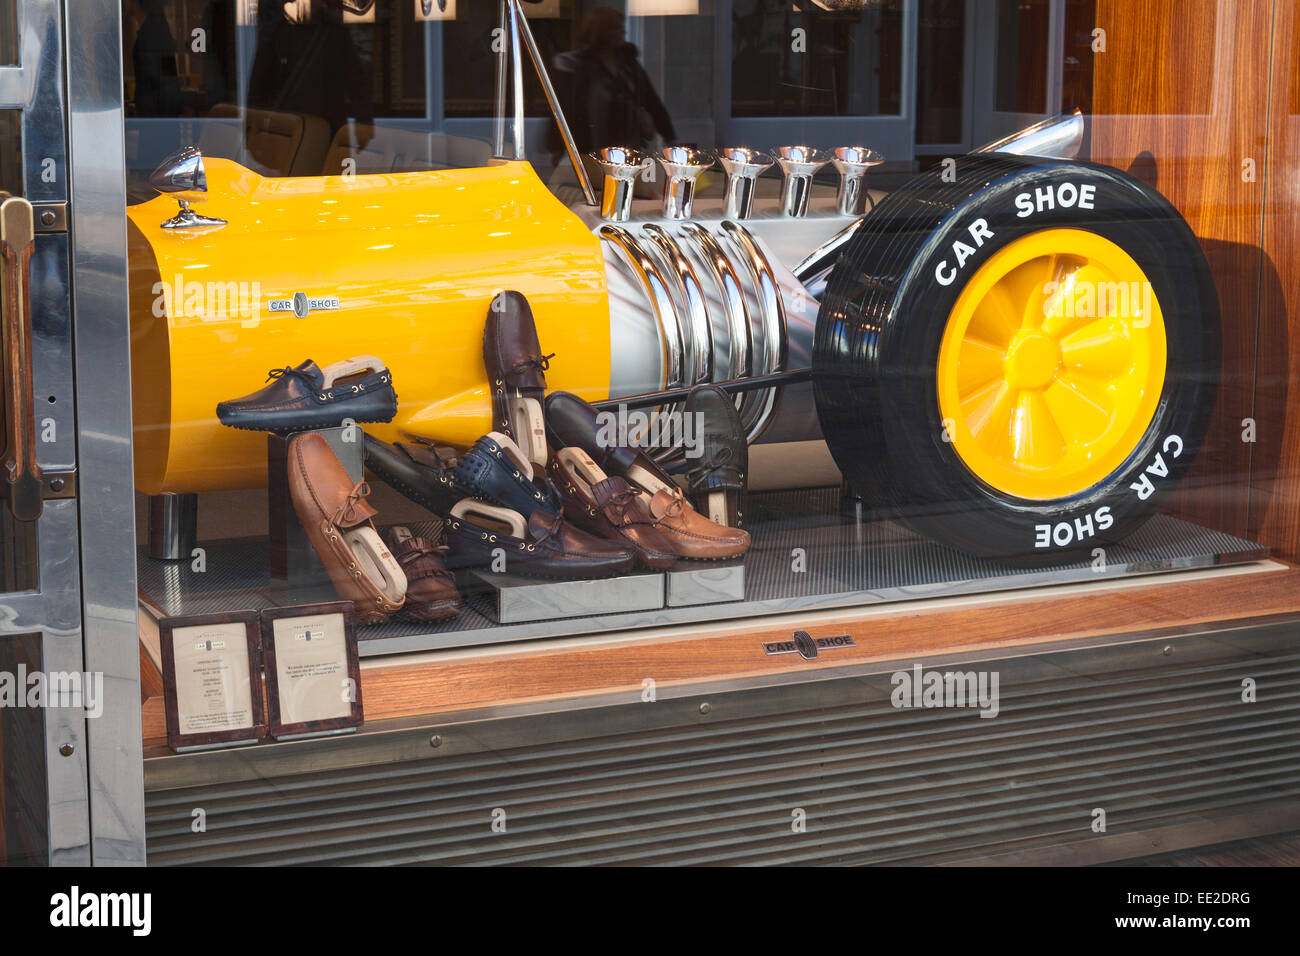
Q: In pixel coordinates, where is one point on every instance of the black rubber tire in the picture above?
(880, 325)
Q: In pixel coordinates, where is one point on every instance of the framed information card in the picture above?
(212, 683)
(313, 676)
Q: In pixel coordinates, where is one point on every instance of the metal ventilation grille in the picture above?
(1152, 732)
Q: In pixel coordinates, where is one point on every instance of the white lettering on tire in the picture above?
(1064, 195)
(1065, 533)
(1173, 445)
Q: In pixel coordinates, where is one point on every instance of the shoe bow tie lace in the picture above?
(278, 373)
(550, 528)
(711, 464)
(617, 505)
(674, 508)
(542, 364)
(423, 550)
(346, 515)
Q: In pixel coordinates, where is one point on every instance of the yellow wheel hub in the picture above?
(1052, 364)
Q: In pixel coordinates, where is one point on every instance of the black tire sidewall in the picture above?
(932, 487)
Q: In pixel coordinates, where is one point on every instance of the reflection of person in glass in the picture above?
(611, 101)
(310, 67)
(153, 58)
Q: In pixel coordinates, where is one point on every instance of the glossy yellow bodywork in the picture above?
(1052, 364)
(414, 259)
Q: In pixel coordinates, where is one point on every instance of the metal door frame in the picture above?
(102, 357)
(68, 85)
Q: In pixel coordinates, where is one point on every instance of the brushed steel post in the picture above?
(173, 525)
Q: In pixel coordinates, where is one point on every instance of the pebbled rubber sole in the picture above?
(283, 432)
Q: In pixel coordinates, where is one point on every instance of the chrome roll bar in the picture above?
(514, 26)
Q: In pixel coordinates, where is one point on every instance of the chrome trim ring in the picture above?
(652, 280)
(740, 346)
(771, 316)
(700, 354)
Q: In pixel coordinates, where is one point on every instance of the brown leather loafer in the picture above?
(431, 593)
(609, 507)
(336, 516)
(691, 534)
(516, 368)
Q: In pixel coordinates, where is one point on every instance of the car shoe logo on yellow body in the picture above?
(302, 305)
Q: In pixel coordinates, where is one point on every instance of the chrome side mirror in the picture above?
(182, 172)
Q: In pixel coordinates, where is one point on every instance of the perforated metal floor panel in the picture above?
(844, 564)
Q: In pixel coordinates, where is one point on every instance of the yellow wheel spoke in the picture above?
(1038, 441)
(994, 319)
(978, 364)
(988, 409)
(1023, 289)
(1085, 406)
(1102, 349)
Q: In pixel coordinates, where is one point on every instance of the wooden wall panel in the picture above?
(1275, 499)
(1180, 99)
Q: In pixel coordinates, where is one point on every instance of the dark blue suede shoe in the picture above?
(307, 396)
(495, 469)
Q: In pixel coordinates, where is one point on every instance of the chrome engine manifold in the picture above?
(694, 302)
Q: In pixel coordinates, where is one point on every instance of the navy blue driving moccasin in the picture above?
(306, 397)
(496, 470)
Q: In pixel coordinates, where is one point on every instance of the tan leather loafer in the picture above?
(336, 516)
(690, 533)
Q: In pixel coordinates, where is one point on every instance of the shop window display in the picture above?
(529, 358)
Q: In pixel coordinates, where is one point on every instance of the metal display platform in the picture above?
(804, 557)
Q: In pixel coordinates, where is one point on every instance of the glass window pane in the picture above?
(816, 59)
(1023, 42)
(23, 813)
(940, 71)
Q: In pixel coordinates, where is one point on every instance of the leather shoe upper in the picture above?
(431, 593)
(550, 547)
(512, 356)
(416, 471)
(329, 504)
(297, 400)
(724, 457)
(495, 469)
(615, 510)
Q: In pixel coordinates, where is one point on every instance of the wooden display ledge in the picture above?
(530, 672)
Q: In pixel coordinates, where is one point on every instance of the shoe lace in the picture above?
(675, 506)
(703, 468)
(551, 528)
(542, 364)
(415, 552)
(278, 373)
(618, 504)
(344, 515)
